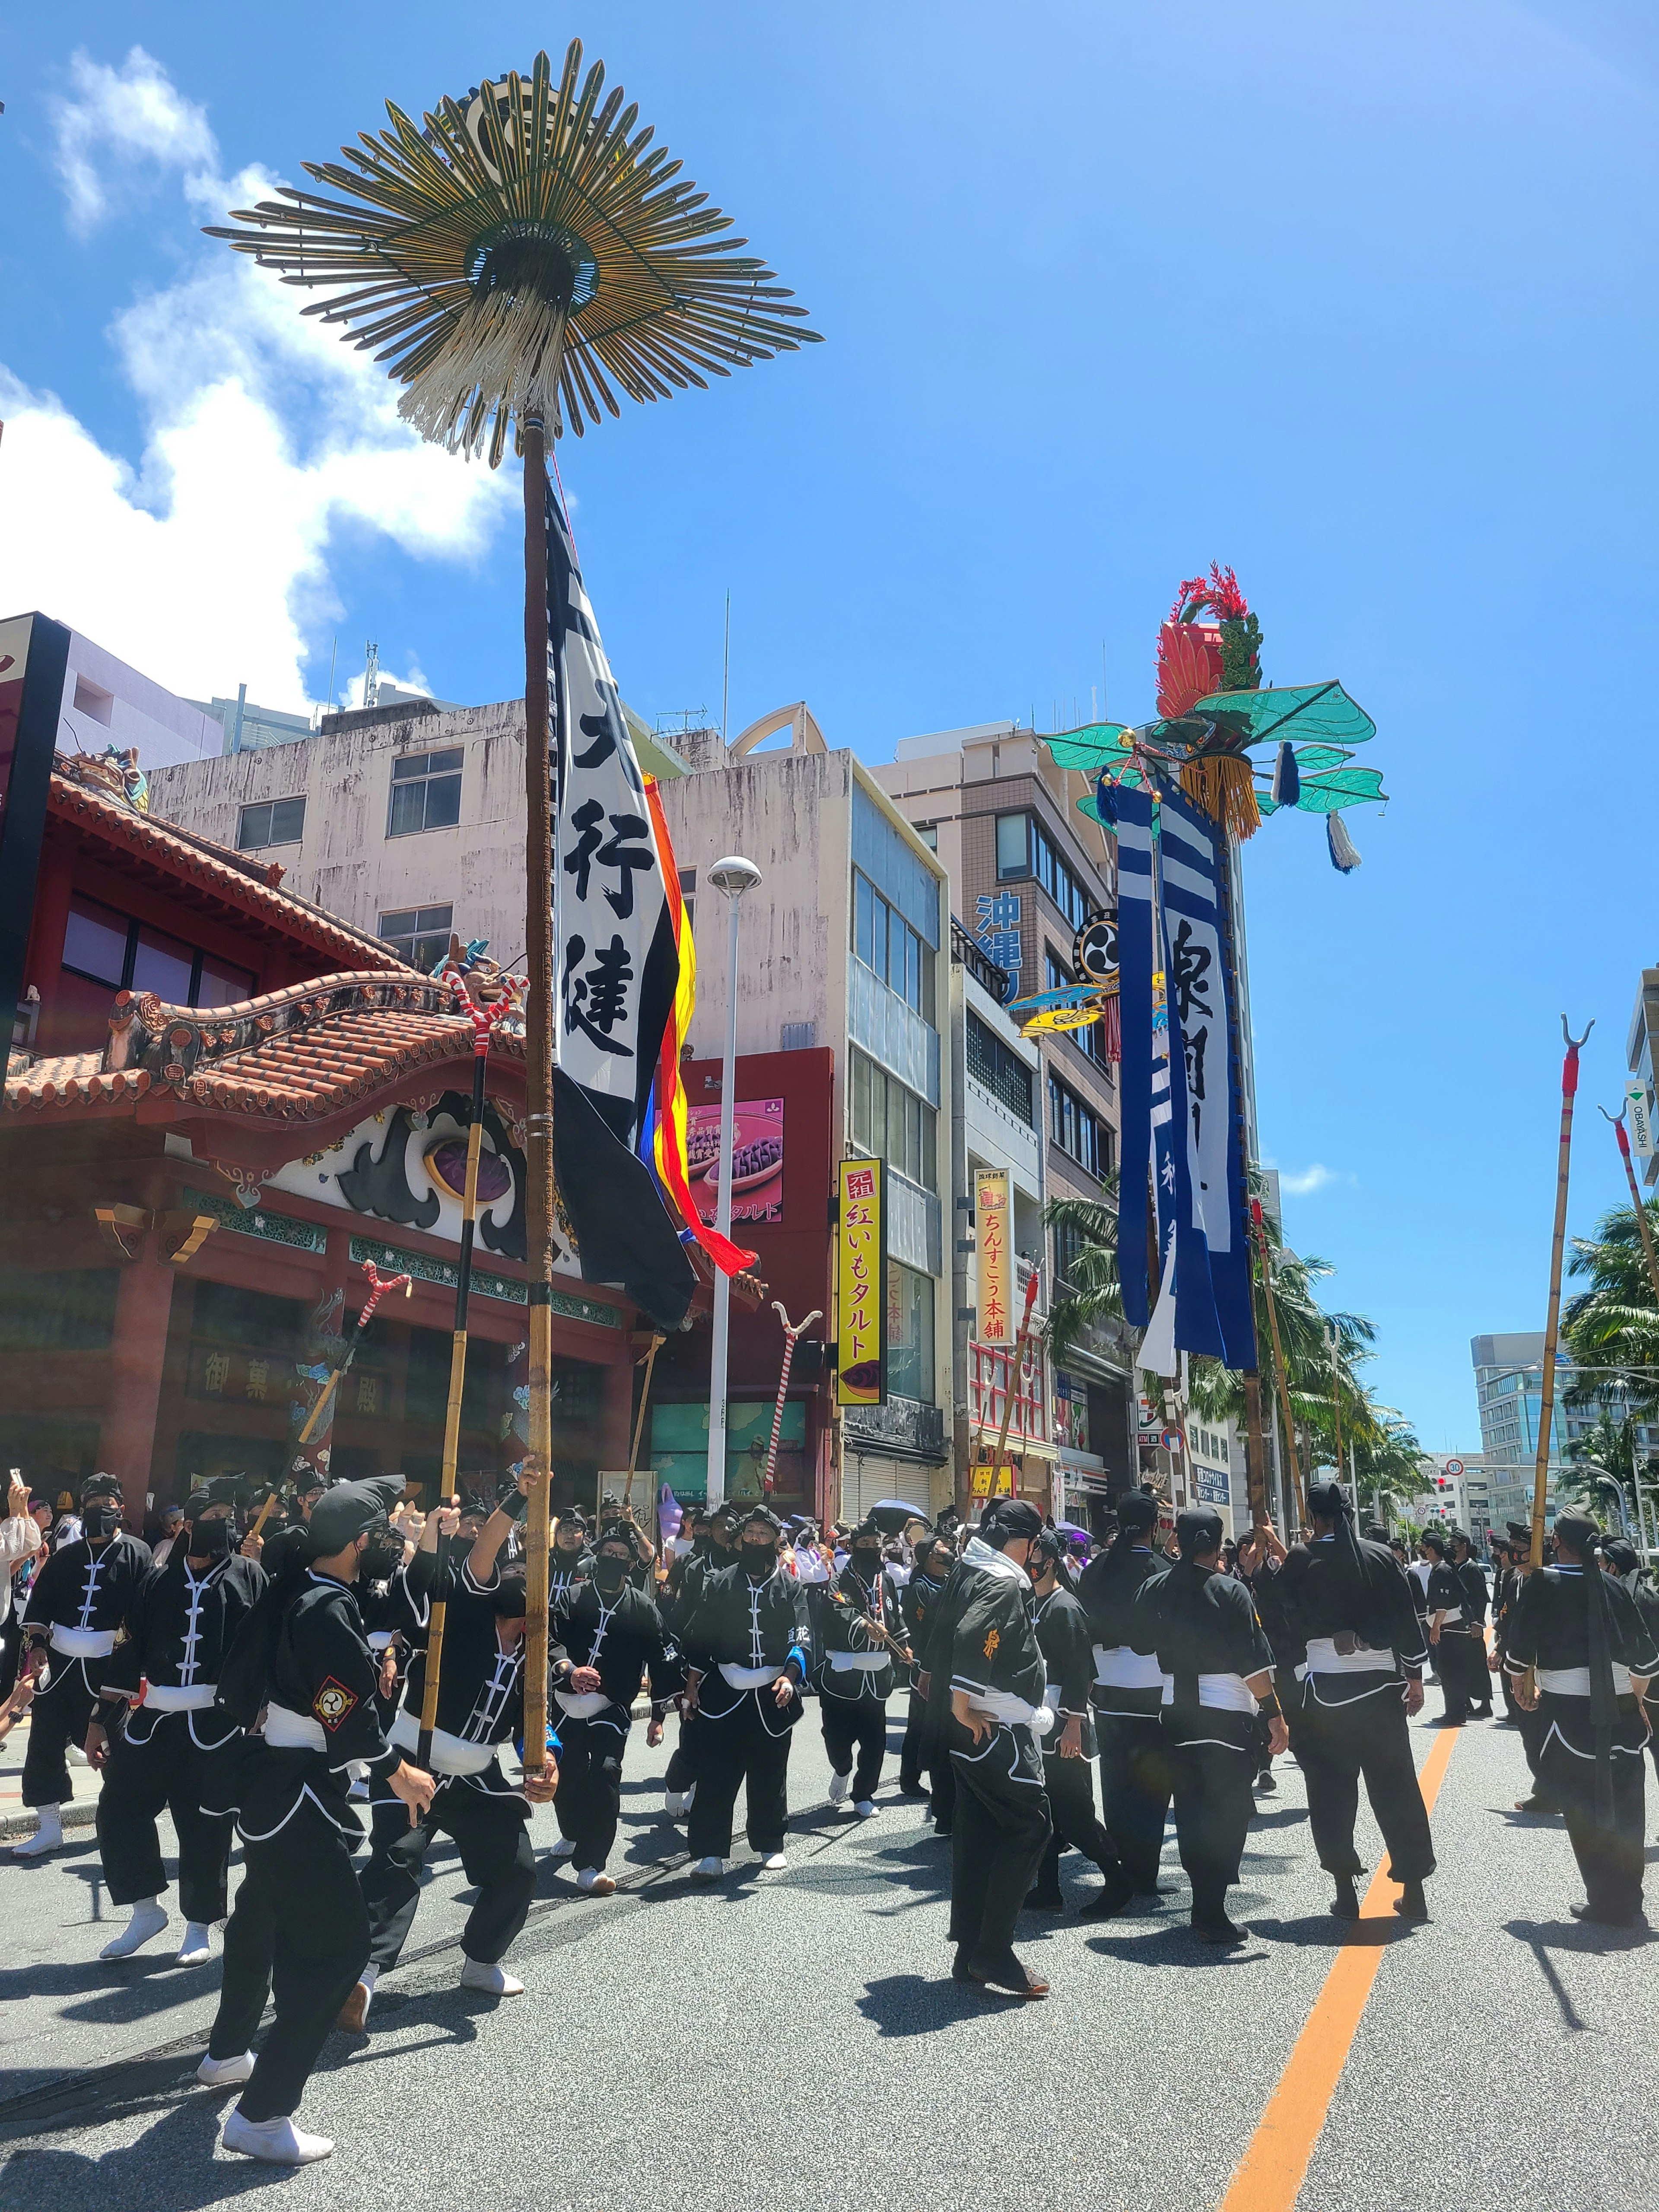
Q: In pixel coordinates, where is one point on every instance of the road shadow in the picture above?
(913, 2004)
(171, 2164)
(1282, 1816)
(1320, 1931)
(1176, 1946)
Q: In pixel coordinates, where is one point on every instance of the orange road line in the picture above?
(1270, 2175)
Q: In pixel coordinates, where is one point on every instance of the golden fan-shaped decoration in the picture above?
(524, 255)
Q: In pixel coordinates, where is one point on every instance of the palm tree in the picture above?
(1088, 1228)
(1604, 1462)
(1615, 1323)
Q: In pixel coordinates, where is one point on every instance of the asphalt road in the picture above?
(794, 2039)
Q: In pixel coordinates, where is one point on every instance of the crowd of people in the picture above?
(252, 1676)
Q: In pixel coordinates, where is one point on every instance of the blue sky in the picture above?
(1358, 299)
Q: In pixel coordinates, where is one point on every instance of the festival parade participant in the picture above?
(288, 1544)
(986, 1686)
(76, 1607)
(160, 1738)
(301, 1928)
(1219, 1670)
(1128, 1695)
(934, 1560)
(1365, 1656)
(1583, 1656)
(711, 1551)
(571, 1562)
(1069, 1749)
(602, 1639)
(862, 1638)
(1455, 1633)
(747, 1646)
(480, 1707)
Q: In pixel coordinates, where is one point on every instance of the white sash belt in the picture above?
(1119, 1668)
(1004, 1705)
(1575, 1681)
(450, 1755)
(859, 1662)
(168, 1698)
(83, 1643)
(286, 1730)
(1225, 1693)
(750, 1678)
(1450, 1615)
(582, 1705)
(1324, 1658)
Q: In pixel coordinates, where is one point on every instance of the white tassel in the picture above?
(1344, 854)
(506, 349)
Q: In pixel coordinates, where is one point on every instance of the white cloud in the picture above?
(206, 561)
(118, 120)
(1301, 1182)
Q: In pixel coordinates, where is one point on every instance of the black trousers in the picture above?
(1534, 1726)
(589, 1800)
(740, 1750)
(1610, 1860)
(492, 1833)
(860, 1721)
(1135, 1784)
(1338, 1744)
(299, 1931)
(999, 1832)
(1463, 1674)
(60, 1716)
(682, 1774)
(1214, 1803)
(167, 1774)
(915, 1752)
(1071, 1786)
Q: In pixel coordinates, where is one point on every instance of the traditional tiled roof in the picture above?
(251, 886)
(302, 1054)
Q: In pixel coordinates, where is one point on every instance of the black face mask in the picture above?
(381, 1558)
(758, 1559)
(867, 1560)
(609, 1574)
(209, 1539)
(101, 1523)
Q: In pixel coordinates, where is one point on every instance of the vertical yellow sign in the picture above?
(861, 1285)
(992, 1235)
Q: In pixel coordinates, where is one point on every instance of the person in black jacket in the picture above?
(1582, 1657)
(571, 1561)
(1365, 1650)
(747, 1644)
(602, 1639)
(289, 1545)
(711, 1551)
(160, 1738)
(987, 1680)
(1127, 1693)
(76, 1608)
(300, 1929)
(1455, 1634)
(1069, 1748)
(934, 1560)
(1203, 1627)
(861, 1628)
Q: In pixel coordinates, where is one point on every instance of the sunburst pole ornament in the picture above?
(517, 263)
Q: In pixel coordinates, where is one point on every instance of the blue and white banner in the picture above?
(1213, 1311)
(1133, 825)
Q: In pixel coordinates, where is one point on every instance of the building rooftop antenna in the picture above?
(371, 676)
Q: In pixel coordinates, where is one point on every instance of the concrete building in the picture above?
(1026, 871)
(1644, 1065)
(1458, 1487)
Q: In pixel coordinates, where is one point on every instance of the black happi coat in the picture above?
(1549, 1630)
(303, 1650)
(1066, 1644)
(622, 1635)
(849, 1601)
(79, 1588)
(1106, 1590)
(1201, 1623)
(917, 1603)
(741, 1624)
(1460, 1590)
(566, 1572)
(983, 1638)
(1358, 1603)
(178, 1631)
(480, 1686)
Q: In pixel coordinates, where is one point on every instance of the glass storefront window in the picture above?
(909, 1334)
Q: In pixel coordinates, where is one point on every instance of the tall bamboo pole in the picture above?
(538, 1084)
(1015, 1371)
(1256, 1467)
(1553, 1318)
(1261, 1229)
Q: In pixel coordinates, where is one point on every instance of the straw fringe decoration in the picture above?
(1219, 785)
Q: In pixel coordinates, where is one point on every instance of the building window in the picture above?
(1069, 1244)
(1090, 1039)
(426, 791)
(909, 1334)
(891, 1123)
(1076, 1129)
(419, 935)
(111, 948)
(999, 1068)
(928, 833)
(884, 941)
(1025, 849)
(270, 822)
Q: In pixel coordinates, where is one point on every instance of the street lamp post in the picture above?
(734, 876)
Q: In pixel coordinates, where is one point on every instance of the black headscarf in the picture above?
(1005, 1520)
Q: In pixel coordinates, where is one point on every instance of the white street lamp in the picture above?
(734, 876)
